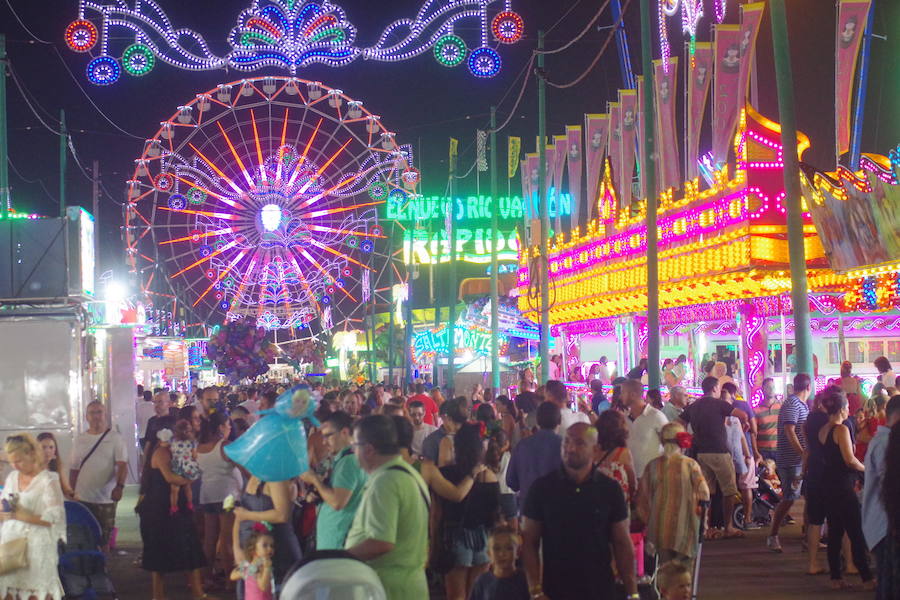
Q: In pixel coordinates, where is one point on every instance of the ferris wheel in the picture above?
(259, 200)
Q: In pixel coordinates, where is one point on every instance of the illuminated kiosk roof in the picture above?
(724, 243)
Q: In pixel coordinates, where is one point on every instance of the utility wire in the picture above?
(583, 33)
(24, 94)
(86, 95)
(597, 58)
(515, 107)
(567, 13)
(25, 27)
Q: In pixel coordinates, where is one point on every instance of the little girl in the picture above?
(256, 570)
(183, 447)
(497, 459)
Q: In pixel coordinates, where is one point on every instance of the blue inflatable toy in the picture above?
(274, 448)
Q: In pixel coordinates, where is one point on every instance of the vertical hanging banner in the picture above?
(751, 17)
(596, 135)
(727, 96)
(560, 147)
(530, 180)
(852, 16)
(614, 148)
(699, 74)
(665, 82)
(481, 162)
(549, 160)
(628, 101)
(454, 151)
(573, 161)
(513, 150)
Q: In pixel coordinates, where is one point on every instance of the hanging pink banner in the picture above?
(560, 146)
(665, 84)
(628, 101)
(549, 163)
(727, 97)
(596, 136)
(573, 161)
(530, 181)
(751, 17)
(698, 89)
(852, 16)
(614, 148)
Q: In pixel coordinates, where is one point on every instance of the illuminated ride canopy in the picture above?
(259, 199)
(289, 34)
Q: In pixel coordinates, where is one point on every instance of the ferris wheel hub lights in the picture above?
(271, 217)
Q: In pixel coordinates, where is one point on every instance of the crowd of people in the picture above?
(482, 495)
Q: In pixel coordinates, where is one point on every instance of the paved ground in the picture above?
(730, 569)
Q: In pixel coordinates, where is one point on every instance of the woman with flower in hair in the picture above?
(668, 495)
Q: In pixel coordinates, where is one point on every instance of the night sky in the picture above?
(422, 101)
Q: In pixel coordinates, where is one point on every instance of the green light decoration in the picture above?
(450, 50)
(247, 39)
(379, 191)
(196, 195)
(336, 33)
(138, 60)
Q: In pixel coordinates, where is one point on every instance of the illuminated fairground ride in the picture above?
(258, 200)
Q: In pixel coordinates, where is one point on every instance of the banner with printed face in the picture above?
(549, 163)
(596, 135)
(699, 75)
(560, 146)
(665, 87)
(727, 96)
(852, 16)
(573, 161)
(614, 147)
(628, 101)
(530, 181)
(513, 150)
(751, 17)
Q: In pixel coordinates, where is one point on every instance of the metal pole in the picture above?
(495, 267)
(861, 85)
(390, 337)
(785, 80)
(544, 266)
(622, 44)
(5, 201)
(650, 187)
(95, 195)
(454, 287)
(62, 163)
(407, 348)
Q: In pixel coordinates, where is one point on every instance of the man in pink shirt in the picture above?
(431, 409)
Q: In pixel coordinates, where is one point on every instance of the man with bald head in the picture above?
(573, 517)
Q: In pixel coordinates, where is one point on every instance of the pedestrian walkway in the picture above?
(746, 570)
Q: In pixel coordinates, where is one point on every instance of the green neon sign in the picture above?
(473, 245)
(470, 208)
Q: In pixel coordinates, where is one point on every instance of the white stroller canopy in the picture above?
(333, 579)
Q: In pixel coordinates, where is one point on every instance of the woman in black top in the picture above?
(464, 525)
(841, 504)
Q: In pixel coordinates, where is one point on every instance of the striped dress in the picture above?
(669, 492)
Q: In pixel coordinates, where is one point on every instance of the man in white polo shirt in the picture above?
(644, 425)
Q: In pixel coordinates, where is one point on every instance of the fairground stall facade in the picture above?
(724, 284)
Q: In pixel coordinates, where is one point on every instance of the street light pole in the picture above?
(785, 80)
(495, 267)
(543, 263)
(649, 173)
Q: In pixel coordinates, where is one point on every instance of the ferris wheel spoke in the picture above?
(237, 158)
(214, 215)
(189, 238)
(322, 269)
(339, 254)
(218, 171)
(205, 258)
(331, 211)
(221, 276)
(322, 168)
(302, 158)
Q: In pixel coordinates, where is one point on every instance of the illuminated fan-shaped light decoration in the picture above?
(290, 34)
(81, 35)
(691, 11)
(266, 207)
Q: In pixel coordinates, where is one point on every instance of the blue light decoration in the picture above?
(289, 35)
(484, 62)
(103, 70)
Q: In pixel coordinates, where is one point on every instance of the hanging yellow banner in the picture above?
(454, 151)
(514, 149)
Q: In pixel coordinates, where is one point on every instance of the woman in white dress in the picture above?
(38, 514)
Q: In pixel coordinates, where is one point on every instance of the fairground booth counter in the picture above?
(724, 283)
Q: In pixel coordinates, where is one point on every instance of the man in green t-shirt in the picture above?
(342, 493)
(390, 530)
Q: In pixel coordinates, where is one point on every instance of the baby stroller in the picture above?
(765, 499)
(82, 566)
(332, 575)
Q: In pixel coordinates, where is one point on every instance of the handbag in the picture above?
(13, 555)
